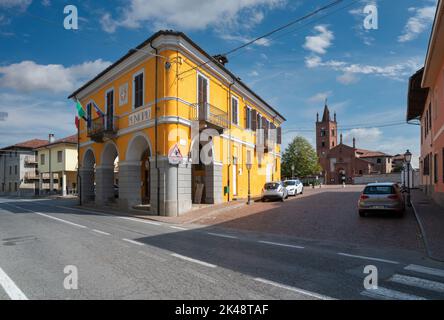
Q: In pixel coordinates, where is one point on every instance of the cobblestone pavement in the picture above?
(328, 214)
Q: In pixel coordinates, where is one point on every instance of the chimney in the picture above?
(317, 117)
(51, 138)
(354, 143)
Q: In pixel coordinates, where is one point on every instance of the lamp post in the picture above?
(408, 159)
(249, 166)
(292, 171)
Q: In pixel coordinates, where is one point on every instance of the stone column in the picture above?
(174, 190)
(63, 183)
(41, 184)
(130, 184)
(213, 184)
(104, 185)
(86, 185)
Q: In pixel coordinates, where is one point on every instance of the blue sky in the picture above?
(363, 73)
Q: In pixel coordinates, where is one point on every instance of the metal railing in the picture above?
(211, 114)
(107, 124)
(30, 160)
(31, 176)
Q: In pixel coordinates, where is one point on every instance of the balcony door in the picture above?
(202, 96)
(109, 109)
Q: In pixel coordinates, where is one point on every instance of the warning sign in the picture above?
(175, 156)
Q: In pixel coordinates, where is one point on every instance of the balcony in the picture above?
(30, 161)
(210, 116)
(104, 127)
(29, 176)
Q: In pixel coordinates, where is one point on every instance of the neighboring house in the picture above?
(342, 163)
(18, 169)
(426, 107)
(57, 166)
(158, 135)
(398, 162)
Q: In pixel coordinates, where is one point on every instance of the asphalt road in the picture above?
(124, 258)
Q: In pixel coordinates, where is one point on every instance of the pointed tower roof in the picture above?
(326, 116)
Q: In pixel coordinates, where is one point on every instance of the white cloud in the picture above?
(188, 15)
(46, 3)
(28, 118)
(321, 42)
(22, 4)
(28, 76)
(418, 23)
(319, 97)
(347, 78)
(264, 42)
(368, 136)
(396, 71)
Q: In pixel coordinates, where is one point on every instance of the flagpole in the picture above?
(79, 178)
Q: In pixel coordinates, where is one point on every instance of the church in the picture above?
(342, 163)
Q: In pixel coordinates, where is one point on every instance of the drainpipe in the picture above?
(229, 138)
(156, 128)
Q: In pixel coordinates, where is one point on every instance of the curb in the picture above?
(424, 237)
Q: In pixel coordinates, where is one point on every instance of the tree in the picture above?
(302, 155)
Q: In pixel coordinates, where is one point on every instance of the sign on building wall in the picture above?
(175, 156)
(138, 117)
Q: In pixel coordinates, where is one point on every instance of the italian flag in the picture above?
(80, 111)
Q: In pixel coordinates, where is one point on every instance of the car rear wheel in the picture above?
(362, 213)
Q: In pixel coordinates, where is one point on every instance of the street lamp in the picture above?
(408, 159)
(249, 166)
(292, 171)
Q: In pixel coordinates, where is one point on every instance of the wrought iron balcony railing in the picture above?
(103, 127)
(211, 116)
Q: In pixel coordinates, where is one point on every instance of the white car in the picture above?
(294, 187)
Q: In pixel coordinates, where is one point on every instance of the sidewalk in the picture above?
(430, 217)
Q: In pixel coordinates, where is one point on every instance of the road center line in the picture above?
(101, 232)
(281, 244)
(293, 289)
(10, 287)
(178, 228)
(140, 220)
(133, 242)
(203, 263)
(220, 235)
(50, 217)
(367, 258)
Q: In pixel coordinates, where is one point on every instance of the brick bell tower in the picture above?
(326, 136)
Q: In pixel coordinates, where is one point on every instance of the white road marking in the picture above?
(49, 217)
(101, 232)
(367, 258)
(282, 244)
(178, 228)
(387, 294)
(418, 282)
(220, 235)
(10, 287)
(294, 289)
(83, 210)
(421, 269)
(140, 220)
(133, 242)
(203, 263)
(61, 220)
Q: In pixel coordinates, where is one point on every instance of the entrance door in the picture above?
(109, 110)
(145, 175)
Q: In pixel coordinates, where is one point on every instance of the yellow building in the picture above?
(182, 127)
(57, 166)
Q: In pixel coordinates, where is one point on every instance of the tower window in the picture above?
(323, 133)
(323, 144)
(333, 132)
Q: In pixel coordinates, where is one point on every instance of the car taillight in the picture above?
(364, 197)
(393, 197)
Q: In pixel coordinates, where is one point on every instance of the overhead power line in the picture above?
(291, 23)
